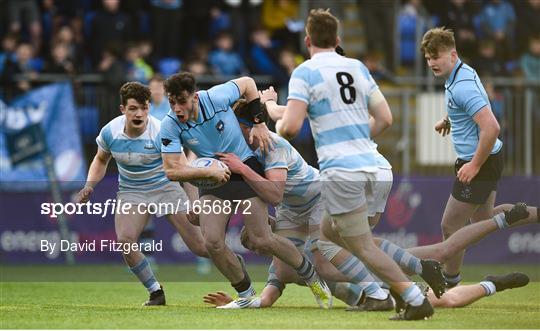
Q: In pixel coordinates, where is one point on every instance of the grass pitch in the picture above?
(115, 304)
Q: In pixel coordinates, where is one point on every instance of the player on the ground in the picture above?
(509, 216)
(204, 122)
(474, 131)
(339, 95)
(132, 139)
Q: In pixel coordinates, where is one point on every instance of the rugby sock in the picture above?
(403, 258)
(306, 271)
(144, 272)
(347, 292)
(244, 287)
(413, 295)
(500, 220)
(452, 280)
(273, 279)
(358, 274)
(489, 287)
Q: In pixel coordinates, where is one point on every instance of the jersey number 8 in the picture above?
(345, 80)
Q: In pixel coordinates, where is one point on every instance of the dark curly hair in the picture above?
(180, 82)
(134, 90)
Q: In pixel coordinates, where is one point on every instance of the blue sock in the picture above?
(144, 272)
(489, 287)
(403, 258)
(357, 273)
(347, 292)
(413, 295)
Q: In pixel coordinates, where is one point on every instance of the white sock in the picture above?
(489, 287)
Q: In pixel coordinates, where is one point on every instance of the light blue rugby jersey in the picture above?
(139, 161)
(302, 187)
(464, 97)
(216, 128)
(337, 89)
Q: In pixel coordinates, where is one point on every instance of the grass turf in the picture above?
(115, 304)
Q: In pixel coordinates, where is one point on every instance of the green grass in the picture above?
(111, 304)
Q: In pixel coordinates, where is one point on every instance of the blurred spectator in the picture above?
(167, 31)
(114, 75)
(378, 19)
(146, 51)
(159, 105)
(528, 23)
(497, 21)
(496, 99)
(280, 18)
(223, 59)
(263, 57)
(487, 62)
(65, 35)
(59, 61)
(24, 18)
(197, 67)
(109, 26)
(198, 16)
(373, 61)
(23, 64)
(9, 45)
(530, 61)
(459, 17)
(245, 15)
(137, 68)
(413, 17)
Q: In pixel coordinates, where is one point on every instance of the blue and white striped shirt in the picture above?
(139, 159)
(337, 91)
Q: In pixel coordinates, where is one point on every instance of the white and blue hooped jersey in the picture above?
(464, 97)
(139, 161)
(216, 128)
(302, 187)
(336, 90)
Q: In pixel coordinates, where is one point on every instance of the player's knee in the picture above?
(261, 244)
(448, 229)
(127, 238)
(200, 250)
(214, 245)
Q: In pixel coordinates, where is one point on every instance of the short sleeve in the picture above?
(277, 158)
(104, 139)
(224, 95)
(169, 135)
(299, 84)
(468, 97)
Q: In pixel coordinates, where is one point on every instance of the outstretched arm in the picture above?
(96, 172)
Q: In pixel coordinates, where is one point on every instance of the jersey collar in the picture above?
(452, 77)
(324, 54)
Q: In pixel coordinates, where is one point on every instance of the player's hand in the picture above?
(268, 95)
(220, 175)
(84, 194)
(467, 172)
(443, 127)
(232, 161)
(262, 134)
(217, 298)
(193, 218)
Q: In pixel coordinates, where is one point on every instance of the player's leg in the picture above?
(128, 227)
(456, 215)
(264, 241)
(533, 214)
(190, 233)
(213, 228)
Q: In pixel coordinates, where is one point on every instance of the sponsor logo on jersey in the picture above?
(220, 126)
(193, 141)
(165, 141)
(149, 146)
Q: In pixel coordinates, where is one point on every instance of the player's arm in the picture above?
(381, 116)
(177, 169)
(248, 88)
(269, 188)
(269, 98)
(96, 172)
(489, 131)
(293, 118)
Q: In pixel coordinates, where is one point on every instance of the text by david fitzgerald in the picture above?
(101, 246)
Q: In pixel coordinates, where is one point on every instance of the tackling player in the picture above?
(339, 95)
(132, 139)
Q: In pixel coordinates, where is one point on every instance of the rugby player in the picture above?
(204, 122)
(132, 139)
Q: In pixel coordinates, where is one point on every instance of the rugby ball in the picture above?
(207, 162)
